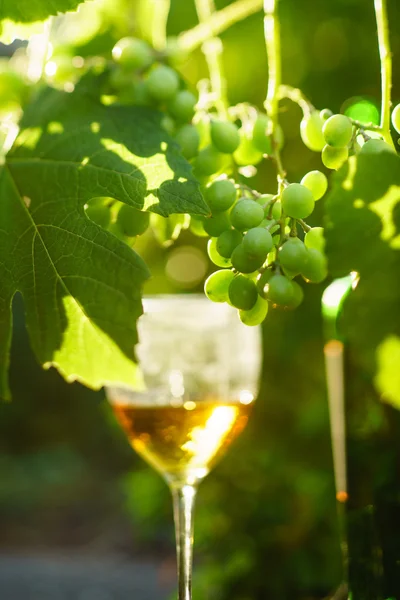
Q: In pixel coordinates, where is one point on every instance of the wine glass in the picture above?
(200, 367)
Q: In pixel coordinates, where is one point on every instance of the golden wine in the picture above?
(182, 442)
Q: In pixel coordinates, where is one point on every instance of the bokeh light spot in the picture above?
(362, 110)
(186, 266)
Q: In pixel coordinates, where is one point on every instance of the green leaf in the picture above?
(27, 11)
(388, 375)
(80, 284)
(363, 235)
(124, 148)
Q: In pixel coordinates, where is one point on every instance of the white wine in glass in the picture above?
(201, 367)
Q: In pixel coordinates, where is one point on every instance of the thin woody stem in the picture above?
(273, 44)
(386, 66)
(218, 22)
(212, 49)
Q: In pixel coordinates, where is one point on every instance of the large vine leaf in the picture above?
(27, 11)
(81, 285)
(363, 235)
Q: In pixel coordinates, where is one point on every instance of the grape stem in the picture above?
(368, 126)
(212, 49)
(246, 188)
(159, 25)
(304, 225)
(297, 96)
(386, 67)
(273, 44)
(218, 22)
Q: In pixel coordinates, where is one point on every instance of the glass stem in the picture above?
(184, 498)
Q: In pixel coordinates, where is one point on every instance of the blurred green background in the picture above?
(266, 522)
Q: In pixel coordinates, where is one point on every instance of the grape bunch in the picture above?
(337, 136)
(260, 242)
(254, 238)
(214, 145)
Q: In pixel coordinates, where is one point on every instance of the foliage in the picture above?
(72, 143)
(363, 236)
(25, 11)
(272, 500)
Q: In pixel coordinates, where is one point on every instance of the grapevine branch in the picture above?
(386, 66)
(159, 28)
(212, 49)
(273, 44)
(218, 22)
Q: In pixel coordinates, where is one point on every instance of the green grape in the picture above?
(182, 106)
(208, 162)
(176, 54)
(215, 256)
(120, 79)
(293, 255)
(334, 158)
(297, 201)
(246, 214)
(315, 239)
(244, 263)
(132, 221)
(140, 94)
(325, 114)
(290, 274)
(99, 214)
(227, 242)
(315, 269)
(224, 136)
(277, 210)
(256, 315)
(220, 195)
(168, 124)
(162, 83)
(188, 138)
(216, 224)
(311, 132)
(261, 140)
(263, 280)
(396, 118)
(316, 182)
(115, 230)
(338, 131)
(258, 242)
(280, 290)
(246, 153)
(242, 292)
(217, 285)
(376, 147)
(132, 53)
(298, 296)
(197, 227)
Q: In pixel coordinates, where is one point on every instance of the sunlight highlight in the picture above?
(205, 441)
(384, 208)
